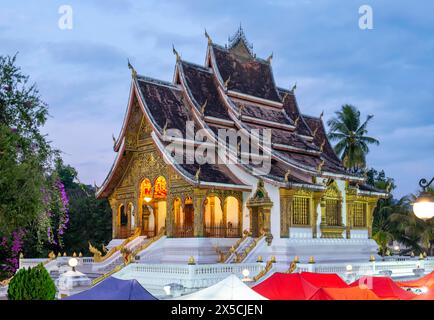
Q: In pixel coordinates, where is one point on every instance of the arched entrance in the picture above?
(153, 206)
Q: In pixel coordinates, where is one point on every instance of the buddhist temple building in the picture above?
(303, 203)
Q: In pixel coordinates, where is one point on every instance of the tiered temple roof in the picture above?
(234, 89)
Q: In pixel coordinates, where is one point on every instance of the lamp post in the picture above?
(423, 208)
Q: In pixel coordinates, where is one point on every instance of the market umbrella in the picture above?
(383, 287)
(114, 289)
(324, 280)
(230, 288)
(426, 281)
(286, 286)
(349, 293)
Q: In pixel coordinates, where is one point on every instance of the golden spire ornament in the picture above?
(270, 58)
(208, 37)
(287, 174)
(178, 57)
(202, 109)
(227, 82)
(133, 71)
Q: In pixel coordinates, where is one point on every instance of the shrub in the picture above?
(32, 284)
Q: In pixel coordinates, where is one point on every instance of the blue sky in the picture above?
(82, 73)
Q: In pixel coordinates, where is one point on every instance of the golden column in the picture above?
(169, 215)
(286, 196)
(198, 199)
(349, 223)
(316, 201)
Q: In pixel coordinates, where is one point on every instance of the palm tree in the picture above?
(352, 142)
(414, 232)
(395, 220)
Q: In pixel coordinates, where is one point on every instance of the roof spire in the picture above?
(197, 175)
(320, 165)
(178, 57)
(227, 82)
(294, 87)
(202, 109)
(270, 58)
(133, 71)
(208, 37)
(296, 121)
(239, 36)
(321, 149)
(321, 115)
(287, 174)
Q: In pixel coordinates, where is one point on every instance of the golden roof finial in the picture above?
(165, 127)
(197, 175)
(202, 109)
(297, 120)
(294, 87)
(287, 174)
(321, 148)
(227, 82)
(285, 96)
(320, 165)
(178, 57)
(208, 37)
(114, 139)
(321, 115)
(133, 71)
(270, 58)
(315, 132)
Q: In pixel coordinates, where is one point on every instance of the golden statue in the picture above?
(96, 253)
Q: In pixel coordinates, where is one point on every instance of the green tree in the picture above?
(90, 219)
(351, 136)
(25, 156)
(32, 284)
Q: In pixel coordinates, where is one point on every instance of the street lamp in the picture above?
(423, 208)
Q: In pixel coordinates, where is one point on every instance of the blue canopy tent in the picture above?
(114, 289)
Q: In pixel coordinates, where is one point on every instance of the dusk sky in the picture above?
(82, 73)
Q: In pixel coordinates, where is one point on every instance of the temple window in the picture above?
(333, 212)
(123, 215)
(146, 190)
(359, 214)
(300, 210)
(160, 190)
(333, 205)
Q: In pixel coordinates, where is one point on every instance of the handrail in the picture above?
(240, 257)
(129, 258)
(224, 257)
(264, 271)
(97, 254)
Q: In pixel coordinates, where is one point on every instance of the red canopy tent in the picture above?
(426, 281)
(324, 280)
(426, 296)
(383, 287)
(350, 293)
(286, 286)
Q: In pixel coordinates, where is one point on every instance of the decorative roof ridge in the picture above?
(254, 57)
(156, 81)
(197, 66)
(240, 36)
